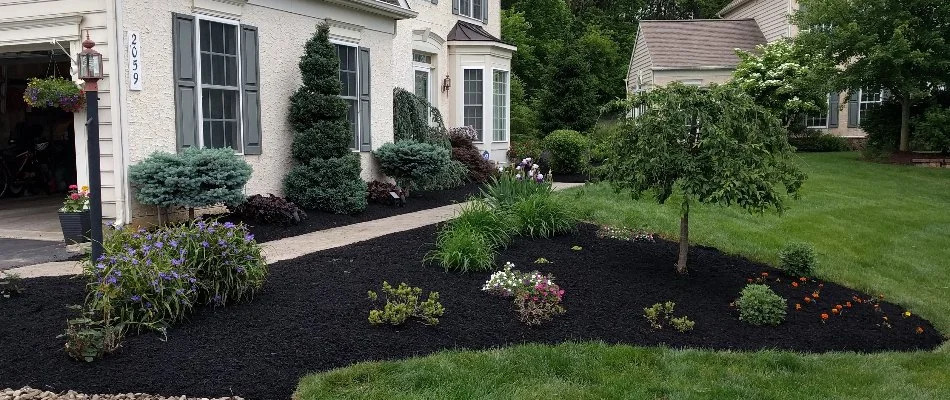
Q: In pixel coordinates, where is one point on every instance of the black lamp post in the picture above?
(90, 71)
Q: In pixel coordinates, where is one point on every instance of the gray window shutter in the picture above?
(485, 12)
(364, 113)
(853, 109)
(455, 7)
(186, 80)
(251, 87)
(834, 101)
(436, 2)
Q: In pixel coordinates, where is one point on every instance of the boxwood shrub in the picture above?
(568, 151)
(759, 305)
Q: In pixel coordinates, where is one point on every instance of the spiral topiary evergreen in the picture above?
(327, 174)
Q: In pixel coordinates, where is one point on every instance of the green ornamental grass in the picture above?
(494, 225)
(462, 247)
(542, 215)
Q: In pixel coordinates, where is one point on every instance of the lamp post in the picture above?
(90, 71)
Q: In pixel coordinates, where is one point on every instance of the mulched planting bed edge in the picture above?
(312, 316)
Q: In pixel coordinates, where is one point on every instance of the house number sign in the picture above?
(135, 61)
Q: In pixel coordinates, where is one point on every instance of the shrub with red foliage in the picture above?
(464, 151)
(378, 192)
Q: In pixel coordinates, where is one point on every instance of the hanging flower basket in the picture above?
(54, 93)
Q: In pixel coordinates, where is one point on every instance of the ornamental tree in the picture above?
(784, 79)
(702, 145)
(899, 46)
(327, 173)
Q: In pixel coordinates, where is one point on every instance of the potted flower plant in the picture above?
(54, 92)
(74, 215)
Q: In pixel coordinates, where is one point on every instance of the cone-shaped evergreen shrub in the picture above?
(327, 174)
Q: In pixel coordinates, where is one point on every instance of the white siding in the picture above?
(640, 64)
(771, 15)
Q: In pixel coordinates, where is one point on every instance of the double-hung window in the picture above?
(820, 120)
(220, 91)
(868, 100)
(473, 109)
(217, 85)
(349, 90)
(500, 106)
(471, 8)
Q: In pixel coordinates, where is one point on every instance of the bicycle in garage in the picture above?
(22, 172)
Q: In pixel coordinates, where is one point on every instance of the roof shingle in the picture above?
(467, 32)
(699, 42)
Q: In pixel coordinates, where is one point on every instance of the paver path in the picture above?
(296, 246)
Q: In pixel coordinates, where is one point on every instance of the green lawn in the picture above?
(880, 228)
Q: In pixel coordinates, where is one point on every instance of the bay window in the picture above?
(500, 106)
(473, 110)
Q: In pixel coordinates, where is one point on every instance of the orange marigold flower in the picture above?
(765, 274)
(803, 279)
(794, 284)
(798, 306)
(808, 299)
(834, 310)
(815, 295)
(848, 304)
(839, 306)
(749, 280)
(824, 316)
(920, 330)
(821, 285)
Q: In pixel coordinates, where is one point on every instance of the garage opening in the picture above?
(37, 145)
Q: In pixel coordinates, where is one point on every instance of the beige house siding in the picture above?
(284, 26)
(692, 76)
(771, 15)
(640, 66)
(32, 24)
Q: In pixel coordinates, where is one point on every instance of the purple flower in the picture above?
(101, 257)
(229, 225)
(222, 243)
(249, 237)
(148, 305)
(159, 245)
(192, 280)
(135, 262)
(239, 270)
(111, 280)
(176, 261)
(180, 291)
(201, 225)
(100, 266)
(204, 244)
(136, 297)
(173, 243)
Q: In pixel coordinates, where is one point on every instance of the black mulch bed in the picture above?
(312, 317)
(319, 220)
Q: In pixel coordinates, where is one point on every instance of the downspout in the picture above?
(120, 134)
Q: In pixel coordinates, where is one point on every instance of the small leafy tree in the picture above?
(414, 118)
(899, 46)
(710, 146)
(784, 79)
(327, 174)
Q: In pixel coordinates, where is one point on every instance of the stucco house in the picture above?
(703, 51)
(219, 73)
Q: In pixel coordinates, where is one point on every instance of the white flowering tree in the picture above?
(784, 79)
(702, 146)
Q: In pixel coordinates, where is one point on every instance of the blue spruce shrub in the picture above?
(193, 178)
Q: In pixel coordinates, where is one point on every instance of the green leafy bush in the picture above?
(10, 285)
(405, 302)
(661, 314)
(462, 247)
(507, 189)
(759, 305)
(326, 175)
(522, 148)
(568, 151)
(682, 324)
(493, 225)
(193, 178)
(812, 140)
(798, 259)
(332, 185)
(413, 164)
(933, 130)
(152, 279)
(540, 215)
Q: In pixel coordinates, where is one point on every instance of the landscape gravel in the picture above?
(28, 393)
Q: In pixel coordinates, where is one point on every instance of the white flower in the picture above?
(518, 168)
(534, 166)
(501, 169)
(518, 176)
(540, 177)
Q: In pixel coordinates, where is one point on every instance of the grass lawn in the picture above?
(878, 228)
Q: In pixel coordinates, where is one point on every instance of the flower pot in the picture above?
(76, 226)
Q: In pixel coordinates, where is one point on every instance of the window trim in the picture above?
(484, 93)
(356, 133)
(507, 105)
(200, 86)
(429, 69)
(827, 116)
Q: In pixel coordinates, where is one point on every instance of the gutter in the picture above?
(377, 7)
(695, 68)
(121, 133)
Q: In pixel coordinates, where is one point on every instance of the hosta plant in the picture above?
(405, 302)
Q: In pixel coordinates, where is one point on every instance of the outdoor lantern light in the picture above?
(446, 83)
(90, 64)
(90, 70)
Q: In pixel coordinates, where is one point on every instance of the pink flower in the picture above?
(74, 196)
(73, 187)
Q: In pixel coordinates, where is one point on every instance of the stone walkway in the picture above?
(296, 246)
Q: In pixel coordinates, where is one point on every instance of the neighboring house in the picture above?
(745, 22)
(219, 73)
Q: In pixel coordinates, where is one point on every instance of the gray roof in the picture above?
(731, 6)
(467, 32)
(699, 42)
